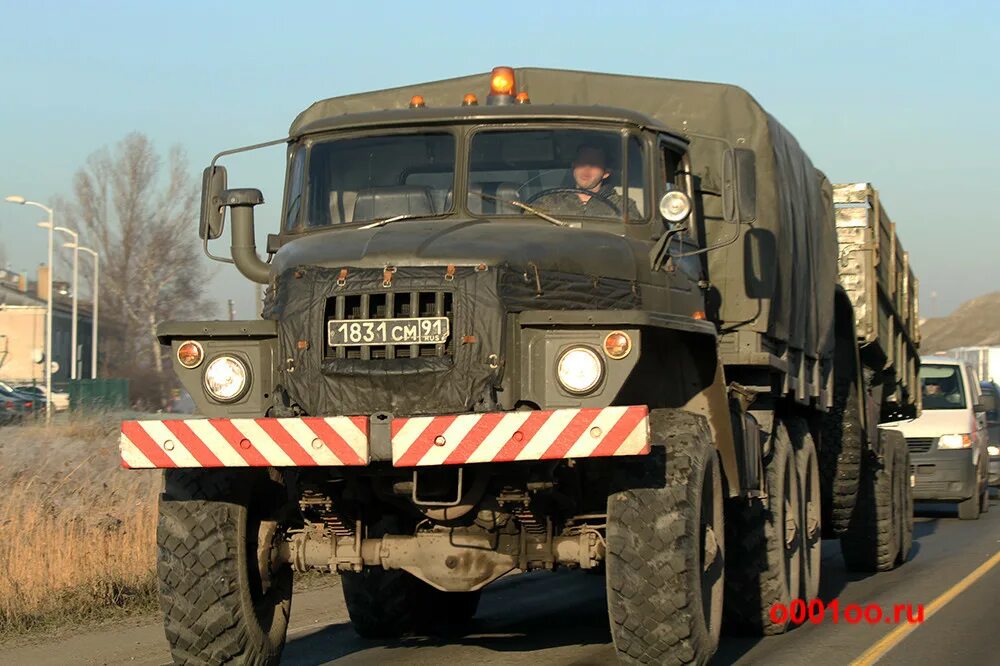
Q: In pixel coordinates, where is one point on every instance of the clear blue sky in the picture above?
(904, 94)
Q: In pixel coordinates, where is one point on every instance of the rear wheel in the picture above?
(765, 546)
(389, 603)
(810, 531)
(222, 599)
(665, 547)
(872, 540)
(842, 444)
(904, 498)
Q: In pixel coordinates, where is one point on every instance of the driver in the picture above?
(591, 173)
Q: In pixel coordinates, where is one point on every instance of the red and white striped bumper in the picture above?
(420, 441)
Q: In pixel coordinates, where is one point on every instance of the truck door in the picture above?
(674, 174)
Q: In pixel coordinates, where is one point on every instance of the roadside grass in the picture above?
(77, 533)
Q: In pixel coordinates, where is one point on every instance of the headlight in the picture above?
(954, 442)
(993, 450)
(675, 206)
(580, 370)
(226, 378)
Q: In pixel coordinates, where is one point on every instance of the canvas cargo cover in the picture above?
(778, 277)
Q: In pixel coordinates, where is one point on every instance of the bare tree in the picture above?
(141, 218)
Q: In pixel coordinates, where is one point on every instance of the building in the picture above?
(22, 329)
(985, 360)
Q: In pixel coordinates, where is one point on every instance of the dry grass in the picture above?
(77, 533)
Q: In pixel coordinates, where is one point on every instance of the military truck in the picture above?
(592, 322)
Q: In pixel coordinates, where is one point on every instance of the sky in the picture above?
(903, 94)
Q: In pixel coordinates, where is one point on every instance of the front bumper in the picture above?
(944, 475)
(343, 441)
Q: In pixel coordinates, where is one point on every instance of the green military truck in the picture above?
(534, 319)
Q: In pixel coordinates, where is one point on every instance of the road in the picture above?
(561, 619)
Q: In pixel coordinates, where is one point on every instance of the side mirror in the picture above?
(213, 184)
(739, 185)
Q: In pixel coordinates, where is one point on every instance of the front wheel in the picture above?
(222, 599)
(665, 539)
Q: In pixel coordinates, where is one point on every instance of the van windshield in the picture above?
(942, 387)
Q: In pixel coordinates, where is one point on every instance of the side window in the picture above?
(670, 166)
(296, 182)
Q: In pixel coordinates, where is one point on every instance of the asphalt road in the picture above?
(561, 618)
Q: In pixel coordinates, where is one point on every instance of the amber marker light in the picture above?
(470, 100)
(417, 102)
(502, 81)
(190, 354)
(522, 98)
(698, 315)
(617, 344)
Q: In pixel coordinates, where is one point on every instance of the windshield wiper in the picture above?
(523, 206)
(388, 220)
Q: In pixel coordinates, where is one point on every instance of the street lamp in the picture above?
(48, 310)
(73, 325)
(93, 335)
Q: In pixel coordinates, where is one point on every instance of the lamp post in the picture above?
(14, 199)
(96, 295)
(73, 326)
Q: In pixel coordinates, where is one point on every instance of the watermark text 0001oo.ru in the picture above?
(817, 611)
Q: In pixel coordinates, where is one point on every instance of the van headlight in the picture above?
(954, 442)
(993, 450)
(579, 370)
(226, 378)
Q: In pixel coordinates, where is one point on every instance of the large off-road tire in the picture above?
(219, 605)
(765, 547)
(810, 523)
(904, 495)
(872, 540)
(665, 568)
(841, 444)
(390, 603)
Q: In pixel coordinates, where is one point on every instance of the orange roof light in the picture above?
(470, 100)
(522, 98)
(502, 81)
(417, 102)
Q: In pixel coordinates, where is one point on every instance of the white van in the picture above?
(948, 456)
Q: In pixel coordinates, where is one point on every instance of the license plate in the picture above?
(368, 332)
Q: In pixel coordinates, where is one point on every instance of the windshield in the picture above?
(942, 387)
(564, 172)
(372, 178)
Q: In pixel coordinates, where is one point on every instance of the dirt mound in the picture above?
(974, 323)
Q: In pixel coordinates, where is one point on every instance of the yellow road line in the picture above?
(893, 638)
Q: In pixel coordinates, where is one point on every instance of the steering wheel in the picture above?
(603, 198)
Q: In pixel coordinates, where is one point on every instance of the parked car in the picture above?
(32, 403)
(16, 405)
(991, 401)
(60, 400)
(948, 441)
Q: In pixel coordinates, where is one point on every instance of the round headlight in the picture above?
(675, 206)
(579, 370)
(226, 378)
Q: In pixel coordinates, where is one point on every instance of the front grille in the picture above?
(919, 444)
(391, 305)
